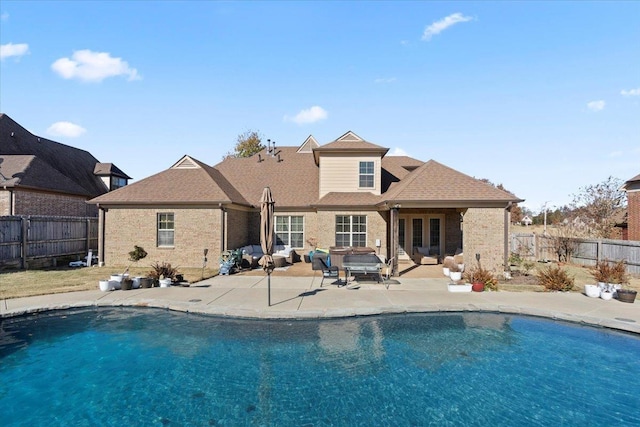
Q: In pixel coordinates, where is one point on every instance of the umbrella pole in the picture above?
(269, 289)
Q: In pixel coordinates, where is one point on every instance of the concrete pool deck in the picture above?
(302, 297)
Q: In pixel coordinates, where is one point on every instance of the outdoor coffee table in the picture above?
(279, 261)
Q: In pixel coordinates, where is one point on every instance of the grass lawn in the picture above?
(14, 284)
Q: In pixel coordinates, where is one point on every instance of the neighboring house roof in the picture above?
(435, 182)
(109, 169)
(632, 184)
(70, 163)
(293, 176)
(29, 171)
(188, 181)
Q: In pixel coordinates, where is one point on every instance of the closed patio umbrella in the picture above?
(266, 236)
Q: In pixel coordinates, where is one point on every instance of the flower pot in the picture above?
(104, 286)
(445, 271)
(606, 295)
(114, 285)
(136, 282)
(165, 283)
(146, 282)
(456, 276)
(627, 295)
(127, 284)
(477, 287)
(592, 291)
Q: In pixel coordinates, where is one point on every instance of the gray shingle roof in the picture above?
(71, 163)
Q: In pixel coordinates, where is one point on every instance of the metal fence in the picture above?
(38, 240)
(587, 251)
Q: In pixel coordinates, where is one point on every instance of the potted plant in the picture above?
(619, 278)
(135, 255)
(455, 272)
(481, 279)
(163, 273)
(601, 273)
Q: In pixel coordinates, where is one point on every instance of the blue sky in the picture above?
(543, 97)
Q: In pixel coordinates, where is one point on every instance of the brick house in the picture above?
(632, 187)
(344, 193)
(43, 177)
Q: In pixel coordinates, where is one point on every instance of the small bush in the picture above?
(555, 279)
(163, 270)
(619, 273)
(527, 266)
(481, 275)
(601, 272)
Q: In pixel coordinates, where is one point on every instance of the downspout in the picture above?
(223, 214)
(507, 212)
(101, 232)
(12, 201)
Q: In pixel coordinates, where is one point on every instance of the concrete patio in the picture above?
(292, 297)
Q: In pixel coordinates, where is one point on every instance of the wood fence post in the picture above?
(25, 248)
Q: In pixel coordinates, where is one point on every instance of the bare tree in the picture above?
(596, 205)
(247, 144)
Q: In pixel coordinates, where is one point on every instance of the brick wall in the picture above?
(376, 228)
(40, 203)
(195, 230)
(484, 234)
(240, 228)
(633, 214)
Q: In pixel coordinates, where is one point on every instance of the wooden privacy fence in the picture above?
(29, 241)
(587, 252)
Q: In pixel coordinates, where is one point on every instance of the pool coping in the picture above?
(303, 298)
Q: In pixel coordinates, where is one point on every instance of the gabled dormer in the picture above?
(112, 177)
(349, 165)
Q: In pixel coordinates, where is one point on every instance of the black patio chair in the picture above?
(328, 271)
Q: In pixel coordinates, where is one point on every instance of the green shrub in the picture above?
(555, 279)
(527, 266)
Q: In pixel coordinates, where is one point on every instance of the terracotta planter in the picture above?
(627, 295)
(477, 287)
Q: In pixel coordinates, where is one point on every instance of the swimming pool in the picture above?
(149, 367)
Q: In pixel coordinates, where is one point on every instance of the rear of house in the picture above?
(344, 193)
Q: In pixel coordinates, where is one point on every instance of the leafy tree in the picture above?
(596, 205)
(247, 144)
(516, 213)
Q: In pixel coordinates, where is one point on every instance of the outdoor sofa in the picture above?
(252, 254)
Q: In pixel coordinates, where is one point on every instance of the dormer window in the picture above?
(367, 175)
(117, 182)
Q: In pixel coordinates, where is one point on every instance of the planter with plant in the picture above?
(163, 273)
(455, 272)
(619, 278)
(481, 279)
(135, 255)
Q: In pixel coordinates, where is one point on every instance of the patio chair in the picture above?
(328, 271)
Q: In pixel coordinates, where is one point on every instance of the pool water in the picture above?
(117, 367)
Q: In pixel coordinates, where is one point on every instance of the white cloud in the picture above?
(10, 49)
(388, 80)
(93, 67)
(398, 152)
(630, 92)
(596, 105)
(312, 115)
(67, 129)
(441, 25)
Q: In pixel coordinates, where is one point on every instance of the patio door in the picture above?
(419, 231)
